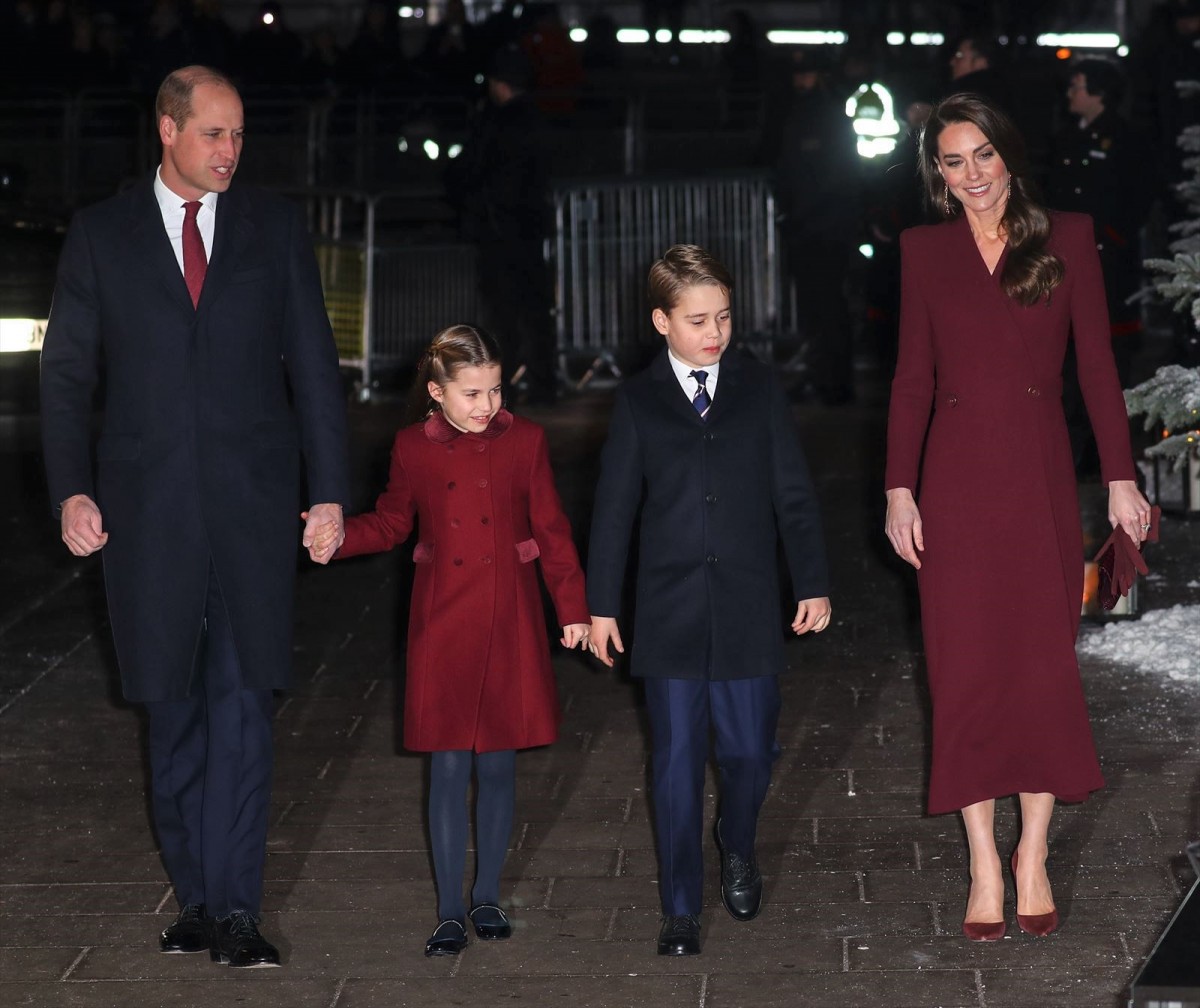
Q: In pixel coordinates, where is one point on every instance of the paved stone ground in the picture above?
(864, 893)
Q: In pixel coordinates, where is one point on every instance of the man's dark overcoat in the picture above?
(198, 459)
(716, 497)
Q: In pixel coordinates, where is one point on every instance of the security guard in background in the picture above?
(1099, 168)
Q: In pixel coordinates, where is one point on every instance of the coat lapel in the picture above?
(976, 276)
(234, 230)
(729, 382)
(669, 390)
(149, 239)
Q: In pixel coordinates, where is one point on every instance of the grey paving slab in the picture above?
(69, 898)
(902, 989)
(1036, 987)
(578, 991)
(223, 987)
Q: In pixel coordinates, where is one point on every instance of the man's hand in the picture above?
(324, 531)
(82, 525)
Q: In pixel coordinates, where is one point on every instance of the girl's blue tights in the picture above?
(449, 779)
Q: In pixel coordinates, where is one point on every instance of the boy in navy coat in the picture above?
(703, 444)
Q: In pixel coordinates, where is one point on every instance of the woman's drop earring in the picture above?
(946, 198)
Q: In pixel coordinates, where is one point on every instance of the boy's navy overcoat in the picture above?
(716, 496)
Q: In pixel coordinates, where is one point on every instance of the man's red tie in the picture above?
(195, 262)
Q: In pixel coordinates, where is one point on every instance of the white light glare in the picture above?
(431, 150)
(663, 35)
(697, 36)
(793, 37)
(453, 150)
(20, 334)
(402, 145)
(268, 18)
(872, 109)
(870, 147)
(895, 38)
(633, 36)
(405, 12)
(927, 38)
(578, 34)
(866, 250)
(1081, 40)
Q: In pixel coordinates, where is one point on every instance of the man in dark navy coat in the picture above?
(200, 302)
(703, 445)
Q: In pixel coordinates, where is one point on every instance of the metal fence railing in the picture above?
(608, 233)
(388, 292)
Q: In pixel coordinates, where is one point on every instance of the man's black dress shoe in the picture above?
(491, 923)
(741, 882)
(236, 942)
(189, 933)
(448, 938)
(679, 935)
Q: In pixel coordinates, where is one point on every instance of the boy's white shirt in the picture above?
(683, 372)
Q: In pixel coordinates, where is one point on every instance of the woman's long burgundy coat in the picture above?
(1001, 580)
(479, 674)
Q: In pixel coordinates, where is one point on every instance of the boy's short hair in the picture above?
(680, 267)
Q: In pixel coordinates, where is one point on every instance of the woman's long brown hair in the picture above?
(1031, 271)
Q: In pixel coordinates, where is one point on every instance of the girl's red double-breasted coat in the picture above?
(486, 508)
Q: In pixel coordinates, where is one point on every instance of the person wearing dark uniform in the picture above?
(501, 186)
(1097, 169)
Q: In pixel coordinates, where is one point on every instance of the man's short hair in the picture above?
(984, 47)
(680, 267)
(175, 93)
(1104, 80)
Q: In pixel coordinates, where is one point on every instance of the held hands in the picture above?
(1127, 508)
(604, 632)
(82, 525)
(812, 614)
(903, 526)
(575, 633)
(324, 531)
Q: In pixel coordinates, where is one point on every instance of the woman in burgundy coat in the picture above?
(989, 299)
(477, 482)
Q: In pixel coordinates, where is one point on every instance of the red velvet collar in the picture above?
(439, 430)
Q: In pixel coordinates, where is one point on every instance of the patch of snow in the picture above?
(1163, 642)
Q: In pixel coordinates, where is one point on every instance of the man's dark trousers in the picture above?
(210, 768)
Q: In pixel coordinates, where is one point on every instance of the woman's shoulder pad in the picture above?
(923, 235)
(1070, 224)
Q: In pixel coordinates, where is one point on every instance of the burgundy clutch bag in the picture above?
(1119, 562)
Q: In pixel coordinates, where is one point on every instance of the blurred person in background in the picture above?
(1102, 167)
(500, 185)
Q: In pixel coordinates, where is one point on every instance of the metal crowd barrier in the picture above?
(608, 234)
(388, 293)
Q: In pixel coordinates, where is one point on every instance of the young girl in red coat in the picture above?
(477, 483)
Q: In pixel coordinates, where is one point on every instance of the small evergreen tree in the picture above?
(1172, 397)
